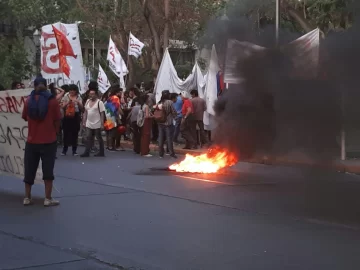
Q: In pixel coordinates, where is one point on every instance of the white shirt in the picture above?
(93, 120)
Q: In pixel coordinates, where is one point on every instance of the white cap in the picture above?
(185, 94)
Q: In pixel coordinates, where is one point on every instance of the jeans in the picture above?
(90, 134)
(166, 132)
(177, 129)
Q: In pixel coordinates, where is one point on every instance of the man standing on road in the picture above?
(188, 125)
(42, 112)
(177, 104)
(199, 106)
(93, 120)
(132, 118)
(166, 128)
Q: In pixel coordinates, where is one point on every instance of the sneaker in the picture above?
(148, 155)
(85, 155)
(174, 156)
(50, 202)
(120, 149)
(27, 202)
(168, 154)
(75, 154)
(63, 154)
(111, 150)
(161, 156)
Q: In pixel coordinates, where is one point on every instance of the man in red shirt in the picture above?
(42, 112)
(188, 124)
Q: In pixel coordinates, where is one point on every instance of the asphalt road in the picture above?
(127, 211)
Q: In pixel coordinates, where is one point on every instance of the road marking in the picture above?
(204, 180)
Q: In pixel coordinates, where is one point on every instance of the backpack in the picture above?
(140, 118)
(38, 108)
(70, 110)
(159, 115)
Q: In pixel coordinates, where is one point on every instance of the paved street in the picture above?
(127, 211)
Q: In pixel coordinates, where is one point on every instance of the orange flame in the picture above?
(211, 162)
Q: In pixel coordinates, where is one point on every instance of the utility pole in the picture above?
(277, 21)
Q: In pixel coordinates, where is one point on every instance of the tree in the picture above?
(153, 21)
(165, 19)
(299, 16)
(14, 63)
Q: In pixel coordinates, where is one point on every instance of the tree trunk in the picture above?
(167, 27)
(153, 30)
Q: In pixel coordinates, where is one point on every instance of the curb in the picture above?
(337, 166)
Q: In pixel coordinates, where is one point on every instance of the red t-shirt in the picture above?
(186, 104)
(43, 132)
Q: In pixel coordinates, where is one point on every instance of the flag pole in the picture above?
(128, 59)
(128, 56)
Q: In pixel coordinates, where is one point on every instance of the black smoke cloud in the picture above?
(275, 113)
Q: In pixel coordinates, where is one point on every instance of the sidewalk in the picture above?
(347, 166)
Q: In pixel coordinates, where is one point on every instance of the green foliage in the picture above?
(14, 63)
(328, 15)
(184, 71)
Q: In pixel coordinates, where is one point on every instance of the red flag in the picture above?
(65, 49)
(64, 65)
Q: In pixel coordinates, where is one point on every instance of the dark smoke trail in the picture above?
(272, 112)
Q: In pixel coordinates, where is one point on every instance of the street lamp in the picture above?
(37, 43)
(92, 41)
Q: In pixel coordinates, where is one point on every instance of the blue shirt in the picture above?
(178, 106)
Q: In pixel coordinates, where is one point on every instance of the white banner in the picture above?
(50, 68)
(236, 53)
(304, 53)
(135, 46)
(116, 62)
(13, 133)
(103, 80)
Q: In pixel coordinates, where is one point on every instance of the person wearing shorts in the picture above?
(43, 119)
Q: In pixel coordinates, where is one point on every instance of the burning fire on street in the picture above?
(211, 162)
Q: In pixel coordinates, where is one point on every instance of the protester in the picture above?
(199, 106)
(135, 125)
(177, 104)
(42, 112)
(65, 87)
(72, 106)
(123, 118)
(58, 93)
(93, 120)
(166, 127)
(16, 85)
(152, 102)
(133, 93)
(146, 128)
(113, 113)
(188, 125)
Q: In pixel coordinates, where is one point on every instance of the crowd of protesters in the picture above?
(60, 114)
(130, 115)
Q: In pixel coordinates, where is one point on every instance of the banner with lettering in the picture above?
(50, 63)
(13, 133)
